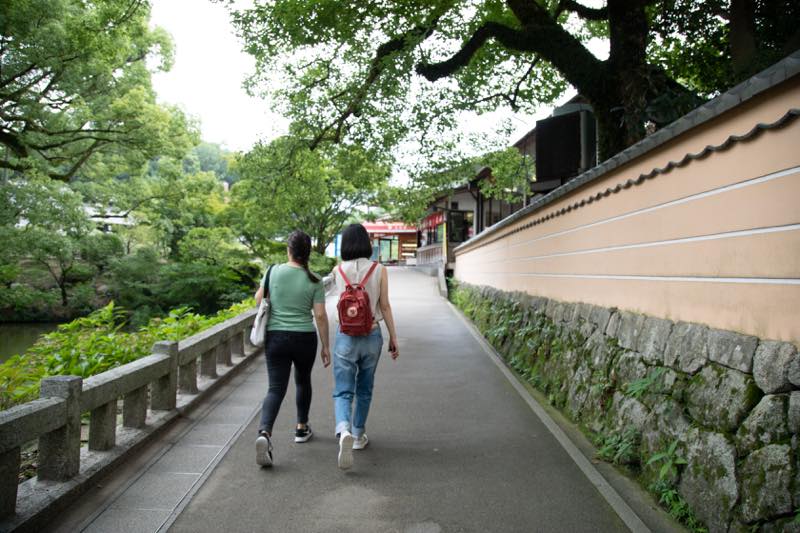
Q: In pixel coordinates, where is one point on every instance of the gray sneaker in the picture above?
(359, 443)
(263, 450)
(345, 459)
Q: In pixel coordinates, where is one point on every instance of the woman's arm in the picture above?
(321, 318)
(386, 310)
(259, 295)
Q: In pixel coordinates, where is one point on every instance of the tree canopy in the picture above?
(75, 85)
(285, 186)
(379, 71)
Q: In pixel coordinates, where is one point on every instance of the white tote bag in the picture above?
(259, 331)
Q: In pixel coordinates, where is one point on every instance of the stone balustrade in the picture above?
(153, 390)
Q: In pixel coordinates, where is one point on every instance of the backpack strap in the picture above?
(363, 281)
(369, 273)
(344, 277)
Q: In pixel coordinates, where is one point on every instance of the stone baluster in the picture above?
(103, 427)
(60, 449)
(208, 363)
(224, 353)
(164, 390)
(9, 478)
(237, 344)
(134, 408)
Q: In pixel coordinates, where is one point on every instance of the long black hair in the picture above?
(299, 245)
(355, 243)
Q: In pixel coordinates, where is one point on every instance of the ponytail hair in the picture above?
(299, 245)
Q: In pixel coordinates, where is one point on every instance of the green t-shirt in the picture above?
(292, 297)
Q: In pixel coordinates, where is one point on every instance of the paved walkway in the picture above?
(453, 447)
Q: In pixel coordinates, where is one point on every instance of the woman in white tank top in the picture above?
(355, 358)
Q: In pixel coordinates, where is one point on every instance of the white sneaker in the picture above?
(263, 450)
(345, 459)
(360, 443)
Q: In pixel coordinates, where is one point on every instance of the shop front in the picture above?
(392, 242)
(440, 232)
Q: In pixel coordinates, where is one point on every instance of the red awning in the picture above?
(388, 227)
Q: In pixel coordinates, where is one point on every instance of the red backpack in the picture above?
(355, 311)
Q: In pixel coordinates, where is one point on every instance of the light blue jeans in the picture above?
(354, 362)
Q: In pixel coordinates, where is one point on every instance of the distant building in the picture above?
(561, 147)
(392, 242)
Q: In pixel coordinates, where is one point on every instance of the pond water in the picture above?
(15, 337)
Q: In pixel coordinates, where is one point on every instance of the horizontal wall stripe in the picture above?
(693, 279)
(740, 185)
(771, 255)
(699, 238)
(489, 235)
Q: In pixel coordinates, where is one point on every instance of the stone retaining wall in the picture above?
(730, 402)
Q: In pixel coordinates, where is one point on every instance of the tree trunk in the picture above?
(620, 100)
(320, 244)
(62, 284)
(742, 36)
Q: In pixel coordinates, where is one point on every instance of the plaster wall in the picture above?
(715, 241)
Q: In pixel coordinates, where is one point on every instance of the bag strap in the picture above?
(344, 277)
(369, 273)
(363, 281)
(266, 282)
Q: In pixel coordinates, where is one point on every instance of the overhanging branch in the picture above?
(384, 51)
(507, 36)
(586, 13)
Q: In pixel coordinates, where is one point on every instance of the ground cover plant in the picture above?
(96, 343)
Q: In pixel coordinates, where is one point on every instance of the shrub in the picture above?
(96, 343)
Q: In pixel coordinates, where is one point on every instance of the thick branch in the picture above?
(586, 13)
(79, 163)
(377, 65)
(540, 35)
(13, 143)
(507, 36)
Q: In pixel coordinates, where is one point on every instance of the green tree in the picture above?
(44, 222)
(285, 186)
(211, 157)
(730, 39)
(74, 86)
(380, 70)
(177, 202)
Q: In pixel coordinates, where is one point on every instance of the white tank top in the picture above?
(355, 270)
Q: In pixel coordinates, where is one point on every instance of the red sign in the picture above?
(433, 220)
(388, 227)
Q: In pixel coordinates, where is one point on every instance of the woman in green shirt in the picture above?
(295, 293)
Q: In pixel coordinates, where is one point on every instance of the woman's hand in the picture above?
(394, 351)
(326, 356)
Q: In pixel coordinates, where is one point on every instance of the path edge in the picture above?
(629, 517)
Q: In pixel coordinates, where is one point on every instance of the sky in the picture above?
(210, 66)
(207, 74)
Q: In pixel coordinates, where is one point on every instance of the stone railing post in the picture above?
(9, 478)
(164, 390)
(224, 353)
(60, 450)
(248, 346)
(103, 427)
(134, 408)
(237, 344)
(208, 363)
(188, 377)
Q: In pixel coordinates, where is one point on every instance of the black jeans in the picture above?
(282, 349)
